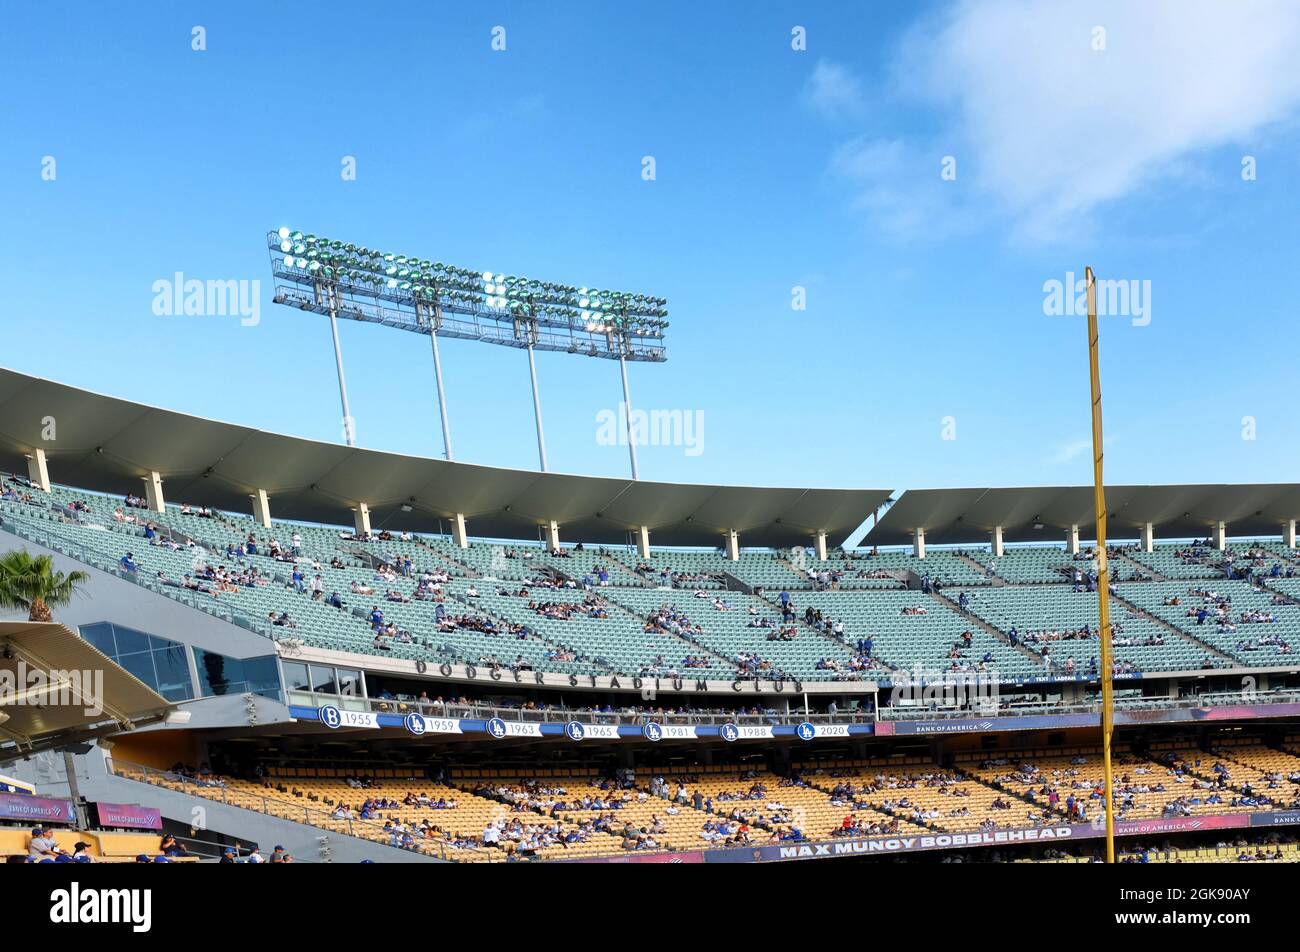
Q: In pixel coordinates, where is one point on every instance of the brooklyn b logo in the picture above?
(76, 905)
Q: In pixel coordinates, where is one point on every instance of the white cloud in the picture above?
(898, 186)
(1046, 129)
(1069, 451)
(834, 92)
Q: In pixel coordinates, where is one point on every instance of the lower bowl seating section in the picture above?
(1242, 852)
(572, 812)
(924, 796)
(1172, 780)
(688, 808)
(726, 632)
(1050, 617)
(335, 803)
(600, 816)
(1254, 769)
(103, 846)
(1230, 630)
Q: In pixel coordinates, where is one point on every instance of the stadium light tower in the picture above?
(344, 280)
(1103, 570)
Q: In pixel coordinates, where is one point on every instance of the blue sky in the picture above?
(776, 168)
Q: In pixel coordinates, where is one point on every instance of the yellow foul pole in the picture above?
(1103, 572)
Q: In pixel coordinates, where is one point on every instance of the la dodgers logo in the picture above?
(653, 731)
(729, 732)
(497, 728)
(415, 724)
(806, 731)
(575, 730)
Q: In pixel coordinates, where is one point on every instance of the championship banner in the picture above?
(419, 725)
(335, 718)
(576, 730)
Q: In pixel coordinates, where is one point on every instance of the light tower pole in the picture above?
(349, 425)
(435, 322)
(529, 329)
(627, 406)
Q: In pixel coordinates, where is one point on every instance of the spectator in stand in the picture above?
(42, 845)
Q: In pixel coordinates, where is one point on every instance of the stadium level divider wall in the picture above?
(419, 725)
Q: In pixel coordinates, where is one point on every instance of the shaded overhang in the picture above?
(111, 445)
(57, 689)
(1043, 514)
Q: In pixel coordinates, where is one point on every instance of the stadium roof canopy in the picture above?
(1042, 514)
(59, 689)
(109, 445)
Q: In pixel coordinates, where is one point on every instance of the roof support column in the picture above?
(458, 534)
(262, 508)
(553, 535)
(1148, 537)
(361, 519)
(153, 493)
(1072, 540)
(733, 545)
(918, 543)
(1288, 533)
(995, 542)
(643, 541)
(39, 473)
(1219, 536)
(819, 543)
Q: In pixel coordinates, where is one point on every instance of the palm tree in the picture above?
(31, 583)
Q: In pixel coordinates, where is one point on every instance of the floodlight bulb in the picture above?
(487, 276)
(286, 246)
(284, 232)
